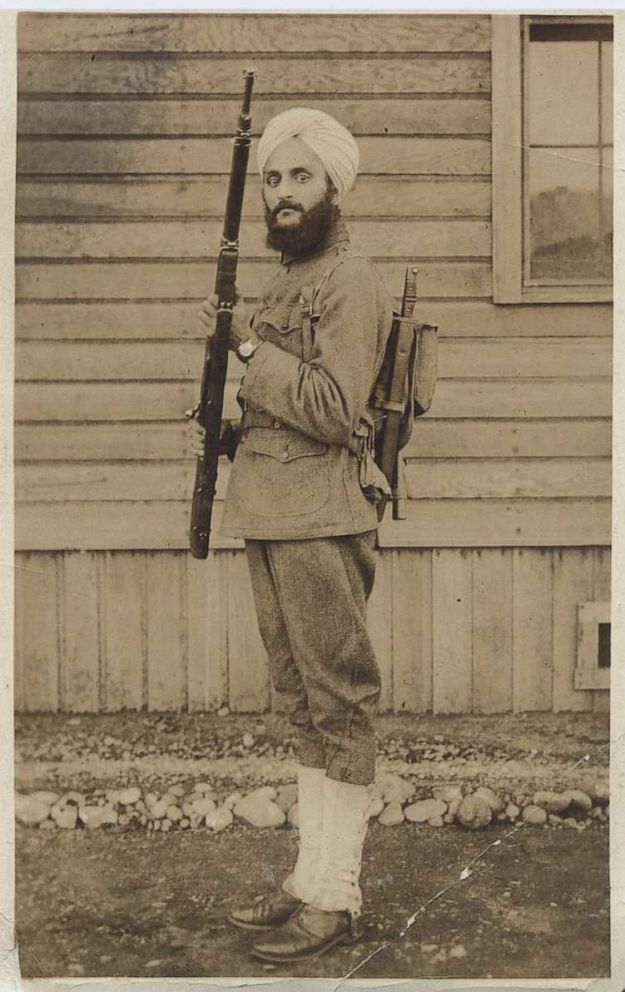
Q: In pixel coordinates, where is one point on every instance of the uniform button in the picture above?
(277, 424)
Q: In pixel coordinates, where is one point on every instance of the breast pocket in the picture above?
(290, 472)
(283, 328)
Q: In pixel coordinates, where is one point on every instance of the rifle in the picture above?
(404, 390)
(209, 408)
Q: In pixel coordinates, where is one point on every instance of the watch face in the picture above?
(247, 348)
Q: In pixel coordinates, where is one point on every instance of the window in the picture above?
(552, 158)
(593, 646)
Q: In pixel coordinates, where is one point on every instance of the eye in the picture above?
(302, 177)
(271, 181)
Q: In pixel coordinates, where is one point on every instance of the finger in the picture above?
(209, 327)
(206, 318)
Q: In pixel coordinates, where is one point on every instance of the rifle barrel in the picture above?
(210, 406)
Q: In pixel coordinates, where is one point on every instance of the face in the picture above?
(300, 202)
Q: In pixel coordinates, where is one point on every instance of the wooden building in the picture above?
(493, 595)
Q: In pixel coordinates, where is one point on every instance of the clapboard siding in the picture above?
(445, 523)
(175, 633)
(493, 358)
(126, 117)
(191, 280)
(124, 128)
(431, 479)
(433, 439)
(253, 33)
(188, 239)
(448, 156)
(78, 72)
(164, 320)
(456, 398)
(202, 197)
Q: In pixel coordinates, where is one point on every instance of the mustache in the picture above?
(285, 205)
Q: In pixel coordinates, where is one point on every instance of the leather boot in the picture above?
(266, 912)
(309, 933)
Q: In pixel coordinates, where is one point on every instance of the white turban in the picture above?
(324, 136)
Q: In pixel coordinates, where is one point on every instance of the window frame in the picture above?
(507, 168)
(588, 674)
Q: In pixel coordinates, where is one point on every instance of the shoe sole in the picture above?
(343, 938)
(258, 927)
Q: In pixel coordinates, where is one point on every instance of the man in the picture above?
(295, 495)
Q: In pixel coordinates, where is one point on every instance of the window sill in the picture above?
(556, 294)
(592, 678)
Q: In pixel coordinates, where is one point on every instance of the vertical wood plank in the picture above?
(80, 662)
(532, 630)
(380, 625)
(601, 703)
(166, 642)
(207, 632)
(38, 620)
(20, 605)
(412, 631)
(451, 640)
(602, 590)
(601, 574)
(123, 642)
(248, 670)
(572, 584)
(492, 630)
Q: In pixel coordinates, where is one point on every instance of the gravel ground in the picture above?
(113, 902)
(155, 750)
(129, 904)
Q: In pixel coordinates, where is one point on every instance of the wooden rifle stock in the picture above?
(210, 405)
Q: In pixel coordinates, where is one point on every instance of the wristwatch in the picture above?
(247, 348)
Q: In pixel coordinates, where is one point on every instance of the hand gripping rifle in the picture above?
(210, 405)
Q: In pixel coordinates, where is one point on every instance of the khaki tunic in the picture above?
(294, 475)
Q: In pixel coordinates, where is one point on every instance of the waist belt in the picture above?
(258, 418)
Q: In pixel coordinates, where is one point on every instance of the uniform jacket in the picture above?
(294, 475)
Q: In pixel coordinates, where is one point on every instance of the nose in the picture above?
(284, 189)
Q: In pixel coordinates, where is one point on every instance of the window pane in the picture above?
(607, 83)
(563, 93)
(567, 239)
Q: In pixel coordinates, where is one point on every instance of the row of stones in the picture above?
(392, 802)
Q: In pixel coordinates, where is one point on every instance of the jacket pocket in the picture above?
(283, 328)
(287, 472)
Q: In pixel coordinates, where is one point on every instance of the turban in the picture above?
(328, 139)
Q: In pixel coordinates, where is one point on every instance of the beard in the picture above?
(311, 231)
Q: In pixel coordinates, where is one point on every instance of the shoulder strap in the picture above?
(308, 296)
(306, 302)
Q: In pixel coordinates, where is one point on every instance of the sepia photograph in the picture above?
(313, 490)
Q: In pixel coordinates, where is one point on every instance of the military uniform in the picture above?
(294, 495)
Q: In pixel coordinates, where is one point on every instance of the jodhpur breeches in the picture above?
(311, 598)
